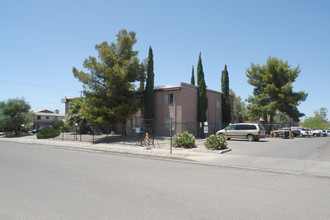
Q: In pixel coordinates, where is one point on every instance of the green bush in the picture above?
(216, 142)
(48, 133)
(58, 124)
(184, 139)
(61, 126)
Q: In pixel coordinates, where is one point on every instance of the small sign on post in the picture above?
(137, 130)
(171, 135)
(206, 128)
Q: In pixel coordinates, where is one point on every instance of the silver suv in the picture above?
(250, 131)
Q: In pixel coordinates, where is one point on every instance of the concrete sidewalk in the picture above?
(197, 155)
(192, 154)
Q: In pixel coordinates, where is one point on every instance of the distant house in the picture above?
(180, 104)
(46, 118)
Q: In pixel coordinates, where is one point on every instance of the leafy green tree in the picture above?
(149, 101)
(240, 111)
(280, 118)
(316, 122)
(273, 90)
(323, 113)
(192, 81)
(16, 115)
(109, 85)
(202, 94)
(75, 115)
(226, 110)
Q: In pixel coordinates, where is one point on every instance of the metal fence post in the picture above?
(107, 134)
(93, 135)
(171, 135)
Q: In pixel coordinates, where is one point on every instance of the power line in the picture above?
(37, 85)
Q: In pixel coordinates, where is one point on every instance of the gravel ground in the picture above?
(128, 145)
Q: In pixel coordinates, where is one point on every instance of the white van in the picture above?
(250, 131)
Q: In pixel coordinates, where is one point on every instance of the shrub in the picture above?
(60, 125)
(216, 142)
(48, 133)
(184, 139)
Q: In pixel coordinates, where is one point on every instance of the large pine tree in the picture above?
(226, 110)
(109, 84)
(202, 95)
(149, 101)
(273, 89)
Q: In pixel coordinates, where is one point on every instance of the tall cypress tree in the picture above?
(226, 111)
(192, 82)
(149, 101)
(202, 96)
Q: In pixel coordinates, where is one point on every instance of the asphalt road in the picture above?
(40, 182)
(314, 148)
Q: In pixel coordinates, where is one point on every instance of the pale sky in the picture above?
(42, 40)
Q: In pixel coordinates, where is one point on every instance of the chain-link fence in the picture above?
(136, 134)
(272, 127)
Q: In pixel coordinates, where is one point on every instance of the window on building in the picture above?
(38, 117)
(170, 98)
(47, 117)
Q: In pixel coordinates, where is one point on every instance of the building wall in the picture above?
(164, 110)
(214, 110)
(67, 101)
(189, 102)
(48, 118)
(184, 109)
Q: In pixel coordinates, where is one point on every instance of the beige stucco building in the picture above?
(180, 104)
(46, 118)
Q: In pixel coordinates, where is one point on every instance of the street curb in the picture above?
(225, 151)
(139, 152)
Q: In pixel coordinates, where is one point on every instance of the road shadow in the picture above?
(244, 140)
(10, 135)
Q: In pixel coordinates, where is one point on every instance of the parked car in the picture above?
(319, 133)
(34, 131)
(280, 132)
(328, 133)
(250, 131)
(305, 132)
(324, 133)
(316, 133)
